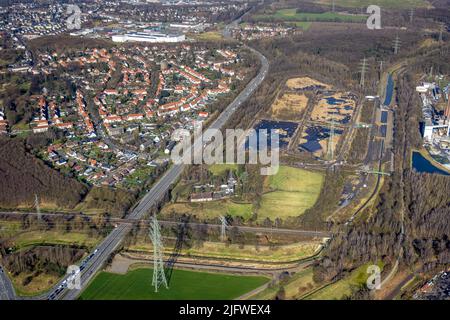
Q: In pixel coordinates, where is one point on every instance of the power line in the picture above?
(411, 15)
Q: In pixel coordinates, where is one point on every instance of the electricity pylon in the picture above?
(36, 205)
(331, 141)
(397, 44)
(363, 71)
(441, 33)
(411, 15)
(159, 277)
(223, 228)
(334, 5)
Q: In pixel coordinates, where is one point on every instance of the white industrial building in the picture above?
(153, 37)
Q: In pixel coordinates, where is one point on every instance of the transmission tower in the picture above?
(397, 44)
(334, 5)
(159, 277)
(363, 71)
(331, 141)
(411, 15)
(223, 228)
(36, 205)
(441, 33)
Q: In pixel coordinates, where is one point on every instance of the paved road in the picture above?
(113, 240)
(6, 288)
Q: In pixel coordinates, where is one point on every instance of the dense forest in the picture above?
(22, 176)
(41, 259)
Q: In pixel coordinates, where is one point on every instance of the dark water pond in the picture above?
(421, 164)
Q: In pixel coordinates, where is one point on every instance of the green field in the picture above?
(294, 191)
(344, 287)
(211, 209)
(292, 15)
(220, 169)
(184, 285)
(287, 194)
(393, 4)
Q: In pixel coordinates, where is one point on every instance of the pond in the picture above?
(389, 90)
(423, 165)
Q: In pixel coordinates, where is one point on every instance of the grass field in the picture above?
(295, 190)
(211, 209)
(291, 191)
(295, 287)
(394, 4)
(285, 253)
(208, 36)
(343, 287)
(220, 169)
(293, 15)
(26, 239)
(184, 285)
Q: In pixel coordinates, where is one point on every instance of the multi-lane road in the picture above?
(6, 288)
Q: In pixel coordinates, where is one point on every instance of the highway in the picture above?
(6, 288)
(113, 240)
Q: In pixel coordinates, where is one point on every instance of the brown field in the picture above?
(289, 106)
(323, 143)
(304, 82)
(321, 110)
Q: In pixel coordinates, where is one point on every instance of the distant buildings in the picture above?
(152, 37)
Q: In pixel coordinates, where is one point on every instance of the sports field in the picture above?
(184, 285)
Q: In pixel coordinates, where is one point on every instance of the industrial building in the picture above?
(154, 37)
(435, 126)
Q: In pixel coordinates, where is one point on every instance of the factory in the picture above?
(151, 36)
(435, 125)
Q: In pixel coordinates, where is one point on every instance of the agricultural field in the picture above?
(184, 285)
(293, 15)
(293, 191)
(403, 4)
